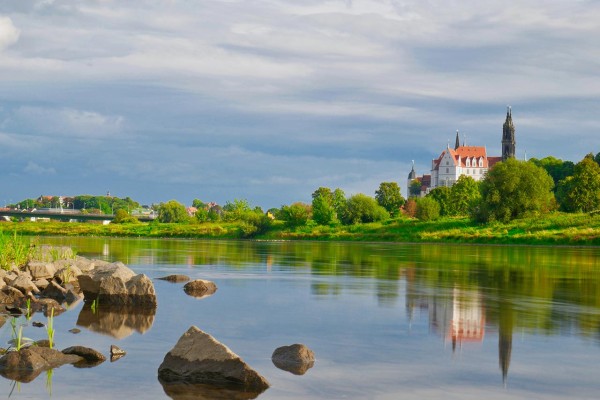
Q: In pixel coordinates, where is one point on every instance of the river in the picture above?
(386, 321)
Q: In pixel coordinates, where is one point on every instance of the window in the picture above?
(447, 163)
(447, 170)
(468, 163)
(468, 171)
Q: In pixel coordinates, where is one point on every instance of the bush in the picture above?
(361, 208)
(172, 211)
(296, 214)
(427, 209)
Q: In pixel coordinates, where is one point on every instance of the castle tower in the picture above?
(412, 175)
(508, 137)
(457, 143)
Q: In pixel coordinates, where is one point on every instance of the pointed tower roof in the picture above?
(412, 174)
(457, 143)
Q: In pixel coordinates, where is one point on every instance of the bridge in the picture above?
(65, 215)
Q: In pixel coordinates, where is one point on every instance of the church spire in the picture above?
(508, 136)
(457, 144)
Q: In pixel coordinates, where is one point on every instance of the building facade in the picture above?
(461, 160)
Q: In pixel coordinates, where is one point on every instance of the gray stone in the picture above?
(39, 270)
(199, 358)
(88, 354)
(54, 291)
(115, 284)
(41, 283)
(200, 288)
(296, 358)
(68, 273)
(10, 295)
(24, 284)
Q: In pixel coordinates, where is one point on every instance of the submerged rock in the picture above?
(296, 358)
(116, 284)
(202, 391)
(116, 353)
(25, 365)
(175, 278)
(200, 288)
(88, 354)
(199, 358)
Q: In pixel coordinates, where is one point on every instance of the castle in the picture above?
(471, 161)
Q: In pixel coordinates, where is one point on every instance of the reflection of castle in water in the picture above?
(459, 317)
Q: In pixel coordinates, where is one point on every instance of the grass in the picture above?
(14, 250)
(50, 328)
(550, 229)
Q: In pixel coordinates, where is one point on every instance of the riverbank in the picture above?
(552, 229)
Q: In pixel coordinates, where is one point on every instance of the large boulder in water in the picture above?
(199, 358)
(116, 284)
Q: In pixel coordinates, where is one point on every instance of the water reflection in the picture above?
(118, 322)
(198, 391)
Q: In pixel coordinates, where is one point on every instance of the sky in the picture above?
(267, 100)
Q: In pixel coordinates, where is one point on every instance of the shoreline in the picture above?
(572, 230)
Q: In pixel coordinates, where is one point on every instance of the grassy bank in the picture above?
(552, 229)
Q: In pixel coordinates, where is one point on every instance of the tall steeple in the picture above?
(457, 144)
(508, 136)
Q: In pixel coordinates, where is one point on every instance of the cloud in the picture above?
(63, 122)
(9, 34)
(36, 169)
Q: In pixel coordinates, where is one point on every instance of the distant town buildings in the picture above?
(466, 160)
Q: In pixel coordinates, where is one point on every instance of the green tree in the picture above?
(464, 195)
(123, 217)
(198, 203)
(237, 210)
(513, 189)
(441, 194)
(581, 192)
(201, 214)
(339, 203)
(325, 193)
(172, 212)
(388, 196)
(323, 212)
(556, 168)
(361, 208)
(414, 189)
(427, 209)
(597, 158)
(296, 214)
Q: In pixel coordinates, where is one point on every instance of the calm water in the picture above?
(386, 321)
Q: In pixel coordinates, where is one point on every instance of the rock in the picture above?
(9, 277)
(88, 354)
(24, 284)
(199, 358)
(39, 270)
(26, 364)
(116, 353)
(10, 295)
(72, 296)
(200, 288)
(38, 324)
(296, 358)
(75, 330)
(175, 278)
(41, 283)
(67, 274)
(42, 343)
(54, 291)
(115, 284)
(45, 306)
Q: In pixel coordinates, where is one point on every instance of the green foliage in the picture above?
(325, 193)
(296, 214)
(104, 204)
(201, 215)
(172, 212)
(597, 158)
(441, 194)
(414, 189)
(123, 217)
(556, 168)
(14, 250)
(198, 204)
(50, 328)
(514, 189)
(323, 212)
(581, 192)
(427, 209)
(339, 203)
(361, 208)
(464, 196)
(235, 211)
(389, 197)
(410, 207)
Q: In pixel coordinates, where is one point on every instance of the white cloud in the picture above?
(36, 169)
(9, 34)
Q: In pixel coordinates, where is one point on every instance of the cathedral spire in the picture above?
(508, 136)
(457, 144)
